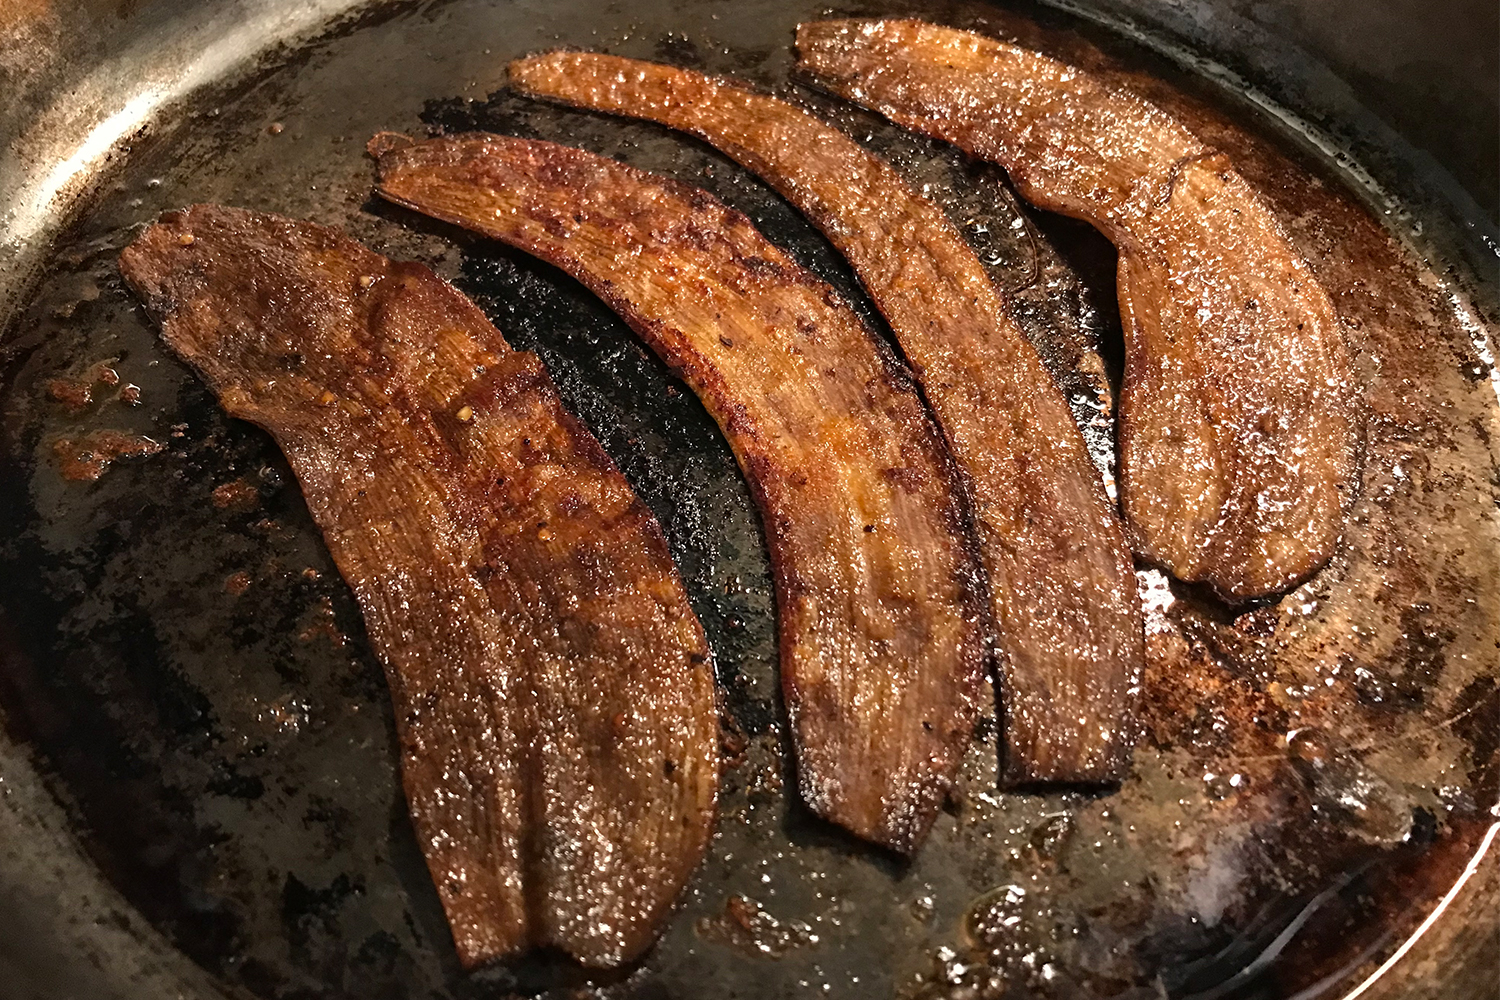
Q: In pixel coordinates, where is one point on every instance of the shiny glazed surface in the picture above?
(1062, 586)
(880, 610)
(553, 690)
(1239, 421)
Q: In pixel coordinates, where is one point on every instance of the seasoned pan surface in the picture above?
(191, 672)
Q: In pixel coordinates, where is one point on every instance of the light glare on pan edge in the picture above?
(1409, 943)
(40, 201)
(33, 214)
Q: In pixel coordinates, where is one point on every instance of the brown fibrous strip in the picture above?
(553, 691)
(1063, 587)
(1239, 423)
(880, 607)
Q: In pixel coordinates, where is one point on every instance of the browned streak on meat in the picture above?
(1063, 587)
(881, 619)
(552, 687)
(1238, 432)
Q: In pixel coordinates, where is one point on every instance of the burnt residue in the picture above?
(140, 681)
(84, 459)
(77, 392)
(747, 925)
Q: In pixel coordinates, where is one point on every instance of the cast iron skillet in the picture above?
(198, 766)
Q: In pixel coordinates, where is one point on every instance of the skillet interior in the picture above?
(207, 710)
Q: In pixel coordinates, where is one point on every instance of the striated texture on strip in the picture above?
(881, 616)
(1063, 587)
(1239, 436)
(553, 691)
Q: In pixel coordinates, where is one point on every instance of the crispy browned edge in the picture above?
(1008, 426)
(472, 171)
(1214, 529)
(511, 396)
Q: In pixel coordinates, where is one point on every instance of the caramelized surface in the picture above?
(1238, 435)
(552, 687)
(880, 614)
(1062, 584)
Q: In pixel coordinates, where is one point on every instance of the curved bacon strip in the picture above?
(881, 619)
(1063, 586)
(552, 687)
(1238, 435)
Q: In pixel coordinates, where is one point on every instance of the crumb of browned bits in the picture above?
(321, 623)
(237, 583)
(235, 493)
(85, 459)
(73, 394)
(745, 924)
(733, 743)
(77, 392)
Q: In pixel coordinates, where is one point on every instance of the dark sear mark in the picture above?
(540, 677)
(878, 630)
(1239, 431)
(1062, 583)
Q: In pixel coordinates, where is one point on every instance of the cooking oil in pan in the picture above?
(193, 673)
